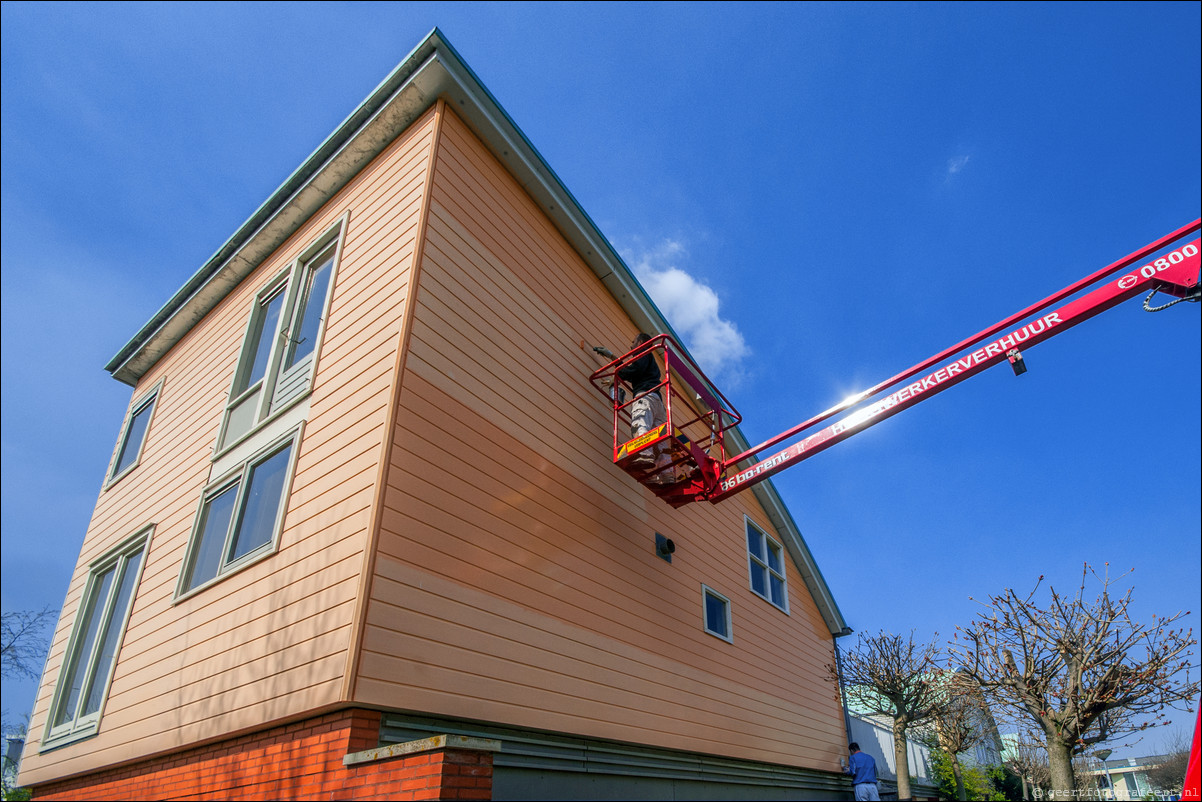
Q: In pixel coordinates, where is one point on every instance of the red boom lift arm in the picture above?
(701, 470)
(704, 472)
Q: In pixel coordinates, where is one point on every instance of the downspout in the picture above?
(842, 694)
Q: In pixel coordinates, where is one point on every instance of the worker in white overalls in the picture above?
(647, 409)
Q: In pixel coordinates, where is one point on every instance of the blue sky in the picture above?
(817, 195)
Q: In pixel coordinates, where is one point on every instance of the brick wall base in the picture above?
(296, 761)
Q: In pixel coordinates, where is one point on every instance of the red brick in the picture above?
(302, 760)
(416, 783)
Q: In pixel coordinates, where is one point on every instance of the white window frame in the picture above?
(84, 726)
(239, 475)
(760, 561)
(706, 593)
(148, 401)
(292, 281)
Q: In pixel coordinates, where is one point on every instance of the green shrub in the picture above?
(981, 783)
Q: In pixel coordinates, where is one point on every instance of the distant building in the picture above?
(13, 744)
(989, 751)
(1125, 778)
(874, 734)
(362, 536)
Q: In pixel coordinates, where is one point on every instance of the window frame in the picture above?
(302, 291)
(240, 475)
(755, 561)
(265, 386)
(706, 592)
(293, 281)
(150, 401)
(85, 726)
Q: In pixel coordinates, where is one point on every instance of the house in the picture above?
(362, 535)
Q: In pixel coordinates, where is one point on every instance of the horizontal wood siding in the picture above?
(269, 642)
(515, 580)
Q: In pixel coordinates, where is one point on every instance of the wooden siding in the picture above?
(515, 580)
(271, 641)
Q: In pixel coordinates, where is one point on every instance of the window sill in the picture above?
(784, 609)
(70, 739)
(726, 638)
(114, 480)
(266, 431)
(230, 570)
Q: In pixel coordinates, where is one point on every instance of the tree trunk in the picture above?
(1060, 763)
(901, 760)
(958, 774)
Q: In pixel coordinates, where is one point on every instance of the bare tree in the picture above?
(888, 675)
(960, 721)
(1027, 758)
(1082, 671)
(23, 642)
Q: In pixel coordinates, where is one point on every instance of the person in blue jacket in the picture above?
(862, 769)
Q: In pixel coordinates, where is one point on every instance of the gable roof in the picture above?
(431, 71)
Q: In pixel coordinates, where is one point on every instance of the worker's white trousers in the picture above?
(646, 412)
(866, 792)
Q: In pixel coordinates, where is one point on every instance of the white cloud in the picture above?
(692, 309)
(957, 164)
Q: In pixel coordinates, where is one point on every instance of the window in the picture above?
(766, 562)
(133, 436)
(310, 308)
(240, 516)
(717, 613)
(95, 641)
(280, 346)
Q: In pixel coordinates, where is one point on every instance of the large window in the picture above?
(240, 516)
(133, 435)
(92, 652)
(279, 349)
(766, 563)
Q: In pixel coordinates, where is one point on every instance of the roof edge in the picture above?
(120, 365)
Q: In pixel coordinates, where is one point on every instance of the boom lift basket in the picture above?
(697, 416)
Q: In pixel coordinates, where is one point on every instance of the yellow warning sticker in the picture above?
(640, 442)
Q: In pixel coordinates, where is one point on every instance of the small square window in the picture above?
(766, 565)
(133, 435)
(717, 613)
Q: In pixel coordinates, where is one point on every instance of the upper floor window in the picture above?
(95, 640)
(766, 563)
(133, 435)
(279, 349)
(240, 515)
